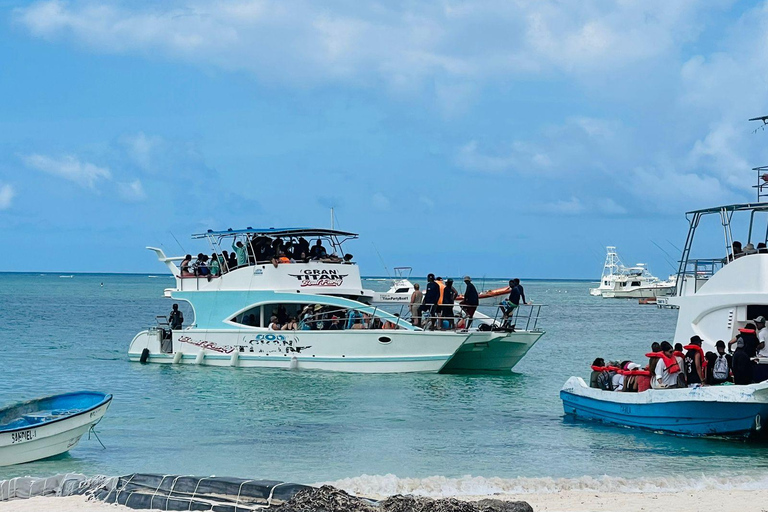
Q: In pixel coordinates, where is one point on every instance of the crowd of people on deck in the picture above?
(689, 366)
(739, 251)
(320, 317)
(434, 308)
(259, 250)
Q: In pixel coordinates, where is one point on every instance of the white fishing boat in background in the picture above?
(342, 325)
(622, 282)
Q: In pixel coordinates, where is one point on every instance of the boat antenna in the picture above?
(668, 257)
(331, 217)
(382, 260)
(177, 241)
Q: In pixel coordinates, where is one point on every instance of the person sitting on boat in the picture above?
(415, 304)
(746, 349)
(273, 325)
(281, 258)
(618, 378)
(470, 302)
(737, 251)
(200, 266)
(694, 362)
(720, 366)
(431, 298)
(597, 368)
(749, 249)
(215, 265)
(762, 248)
(318, 251)
(331, 258)
(176, 318)
(186, 266)
(653, 359)
(232, 261)
(680, 356)
(291, 325)
(348, 259)
(667, 369)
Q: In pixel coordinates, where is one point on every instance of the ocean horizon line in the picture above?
(81, 273)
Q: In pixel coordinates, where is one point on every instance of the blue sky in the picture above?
(498, 138)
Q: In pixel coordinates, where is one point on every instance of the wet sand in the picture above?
(565, 501)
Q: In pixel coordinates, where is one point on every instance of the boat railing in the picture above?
(698, 271)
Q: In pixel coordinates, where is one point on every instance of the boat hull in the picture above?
(704, 411)
(37, 442)
(491, 352)
(364, 351)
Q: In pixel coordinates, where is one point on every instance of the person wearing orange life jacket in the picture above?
(694, 362)
(439, 310)
(667, 369)
(680, 356)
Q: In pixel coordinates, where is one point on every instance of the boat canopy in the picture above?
(275, 232)
(730, 208)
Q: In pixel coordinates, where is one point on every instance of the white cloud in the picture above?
(7, 193)
(305, 43)
(380, 201)
(132, 191)
(140, 148)
(522, 157)
(69, 167)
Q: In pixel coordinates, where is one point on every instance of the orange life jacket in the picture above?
(442, 289)
(283, 259)
(700, 351)
(669, 362)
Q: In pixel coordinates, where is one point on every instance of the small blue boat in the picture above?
(729, 411)
(49, 426)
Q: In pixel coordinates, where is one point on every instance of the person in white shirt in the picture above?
(667, 369)
(762, 336)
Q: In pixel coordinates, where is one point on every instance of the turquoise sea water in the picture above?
(65, 334)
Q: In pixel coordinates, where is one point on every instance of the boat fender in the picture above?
(758, 426)
(200, 357)
(234, 358)
(177, 357)
(144, 356)
(294, 364)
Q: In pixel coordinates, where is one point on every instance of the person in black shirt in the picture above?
(176, 318)
(318, 251)
(470, 302)
(431, 297)
(449, 296)
(746, 348)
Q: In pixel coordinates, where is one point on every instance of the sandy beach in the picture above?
(565, 501)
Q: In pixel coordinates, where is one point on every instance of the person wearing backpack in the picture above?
(721, 367)
(597, 368)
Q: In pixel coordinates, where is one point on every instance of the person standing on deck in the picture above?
(417, 297)
(667, 369)
(470, 302)
(746, 348)
(449, 297)
(242, 254)
(431, 297)
(694, 362)
(176, 318)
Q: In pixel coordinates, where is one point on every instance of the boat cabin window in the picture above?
(756, 310)
(635, 283)
(250, 317)
(401, 290)
(318, 317)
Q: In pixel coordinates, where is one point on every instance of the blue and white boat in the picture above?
(341, 326)
(739, 411)
(49, 426)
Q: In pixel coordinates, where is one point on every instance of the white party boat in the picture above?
(342, 327)
(621, 282)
